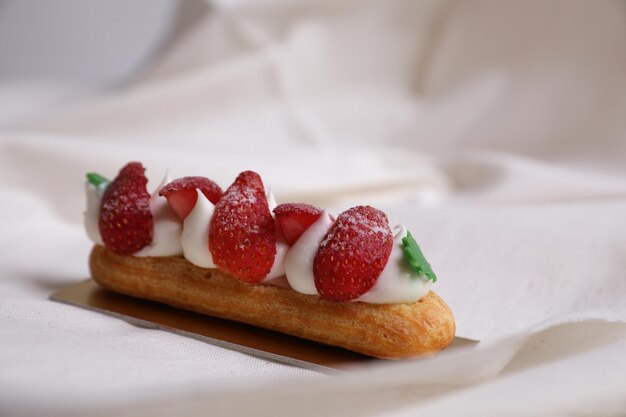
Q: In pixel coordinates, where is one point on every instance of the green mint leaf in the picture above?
(415, 258)
(96, 179)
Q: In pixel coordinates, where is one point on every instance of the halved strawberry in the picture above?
(292, 219)
(242, 234)
(181, 193)
(352, 254)
(125, 221)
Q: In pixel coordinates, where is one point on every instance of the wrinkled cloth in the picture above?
(500, 144)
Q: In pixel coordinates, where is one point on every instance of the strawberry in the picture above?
(181, 193)
(352, 254)
(242, 234)
(292, 219)
(125, 221)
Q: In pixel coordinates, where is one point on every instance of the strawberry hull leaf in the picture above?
(415, 258)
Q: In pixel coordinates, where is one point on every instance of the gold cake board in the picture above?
(224, 333)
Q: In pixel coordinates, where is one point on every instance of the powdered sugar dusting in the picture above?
(242, 235)
(236, 205)
(361, 223)
(352, 254)
(125, 221)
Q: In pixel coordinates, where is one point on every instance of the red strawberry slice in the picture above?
(292, 219)
(125, 221)
(181, 193)
(242, 234)
(352, 254)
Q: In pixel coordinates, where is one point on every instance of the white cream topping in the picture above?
(92, 212)
(299, 260)
(276, 276)
(398, 283)
(195, 238)
(271, 200)
(293, 266)
(166, 238)
(278, 268)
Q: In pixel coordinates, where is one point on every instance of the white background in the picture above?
(495, 131)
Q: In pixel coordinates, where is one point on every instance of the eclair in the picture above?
(349, 281)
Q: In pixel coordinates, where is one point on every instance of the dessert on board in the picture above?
(350, 281)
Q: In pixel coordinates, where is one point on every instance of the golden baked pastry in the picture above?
(389, 331)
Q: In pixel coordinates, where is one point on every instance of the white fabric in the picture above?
(495, 131)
